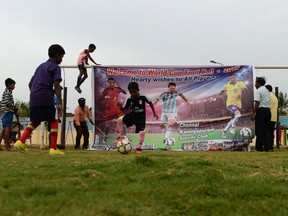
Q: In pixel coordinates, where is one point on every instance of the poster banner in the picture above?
(209, 106)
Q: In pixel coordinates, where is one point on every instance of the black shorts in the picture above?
(129, 120)
(42, 113)
(82, 67)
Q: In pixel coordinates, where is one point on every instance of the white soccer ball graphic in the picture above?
(246, 132)
(124, 146)
(170, 141)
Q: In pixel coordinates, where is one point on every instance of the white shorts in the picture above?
(168, 116)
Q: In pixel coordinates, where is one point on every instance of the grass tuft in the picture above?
(144, 161)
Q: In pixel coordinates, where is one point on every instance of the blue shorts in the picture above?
(232, 109)
(7, 119)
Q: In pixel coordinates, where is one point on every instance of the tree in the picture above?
(282, 103)
(24, 108)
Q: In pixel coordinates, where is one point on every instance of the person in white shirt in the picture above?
(262, 116)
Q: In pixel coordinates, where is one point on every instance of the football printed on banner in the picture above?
(124, 146)
(170, 141)
(246, 132)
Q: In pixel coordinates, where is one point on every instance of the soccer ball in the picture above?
(170, 141)
(124, 146)
(245, 132)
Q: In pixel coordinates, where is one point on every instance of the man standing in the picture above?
(274, 112)
(233, 90)
(262, 116)
(82, 112)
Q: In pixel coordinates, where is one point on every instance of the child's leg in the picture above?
(141, 129)
(141, 137)
(54, 133)
(120, 126)
(81, 69)
(28, 131)
(84, 73)
(7, 134)
(78, 81)
(2, 134)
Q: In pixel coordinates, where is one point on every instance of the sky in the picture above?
(150, 32)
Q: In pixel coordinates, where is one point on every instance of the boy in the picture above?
(7, 109)
(81, 62)
(137, 115)
(43, 85)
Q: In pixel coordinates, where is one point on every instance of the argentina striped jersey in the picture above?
(170, 102)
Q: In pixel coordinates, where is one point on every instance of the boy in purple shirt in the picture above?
(43, 85)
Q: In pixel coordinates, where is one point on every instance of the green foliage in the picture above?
(153, 183)
(24, 108)
(282, 103)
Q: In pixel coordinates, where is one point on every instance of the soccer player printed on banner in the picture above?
(110, 95)
(233, 90)
(136, 104)
(81, 62)
(169, 110)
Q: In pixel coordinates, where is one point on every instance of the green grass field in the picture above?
(153, 183)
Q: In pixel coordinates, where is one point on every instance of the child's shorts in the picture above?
(42, 113)
(7, 119)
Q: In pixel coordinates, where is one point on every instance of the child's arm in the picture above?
(126, 105)
(57, 91)
(155, 102)
(153, 109)
(89, 56)
(30, 83)
(119, 105)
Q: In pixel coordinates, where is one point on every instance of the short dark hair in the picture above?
(133, 86)
(55, 49)
(92, 46)
(110, 78)
(269, 87)
(81, 100)
(261, 80)
(171, 84)
(9, 81)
